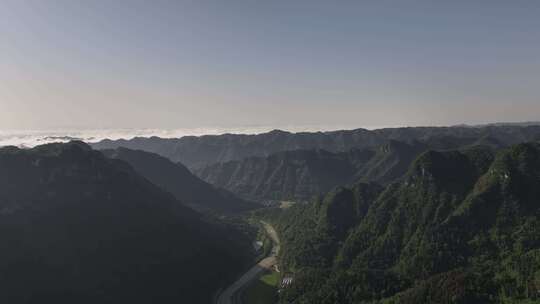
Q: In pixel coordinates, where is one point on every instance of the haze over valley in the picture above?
(269, 152)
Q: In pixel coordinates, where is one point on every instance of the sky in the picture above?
(102, 64)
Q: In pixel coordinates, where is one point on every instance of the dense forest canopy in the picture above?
(461, 227)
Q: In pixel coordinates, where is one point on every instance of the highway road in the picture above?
(231, 295)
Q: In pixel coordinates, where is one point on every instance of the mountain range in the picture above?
(79, 227)
(198, 152)
(460, 227)
(300, 174)
(404, 215)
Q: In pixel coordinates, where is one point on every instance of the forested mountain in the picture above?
(389, 162)
(178, 180)
(198, 152)
(461, 227)
(301, 174)
(78, 227)
(294, 175)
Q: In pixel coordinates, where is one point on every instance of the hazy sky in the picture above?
(177, 64)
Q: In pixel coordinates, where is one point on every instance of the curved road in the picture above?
(230, 295)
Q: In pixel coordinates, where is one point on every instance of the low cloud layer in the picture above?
(31, 138)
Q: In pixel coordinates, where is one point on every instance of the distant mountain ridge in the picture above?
(288, 175)
(300, 174)
(198, 152)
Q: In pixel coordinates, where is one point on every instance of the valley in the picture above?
(269, 152)
(233, 293)
(386, 224)
(466, 221)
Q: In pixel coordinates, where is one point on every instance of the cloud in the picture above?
(31, 138)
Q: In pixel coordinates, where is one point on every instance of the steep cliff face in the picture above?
(389, 162)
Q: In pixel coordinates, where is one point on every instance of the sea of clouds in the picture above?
(31, 138)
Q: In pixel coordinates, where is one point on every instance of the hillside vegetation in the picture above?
(461, 227)
(299, 175)
(78, 227)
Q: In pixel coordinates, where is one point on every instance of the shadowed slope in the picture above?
(301, 174)
(77, 227)
(178, 180)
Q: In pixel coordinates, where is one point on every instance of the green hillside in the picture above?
(461, 227)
